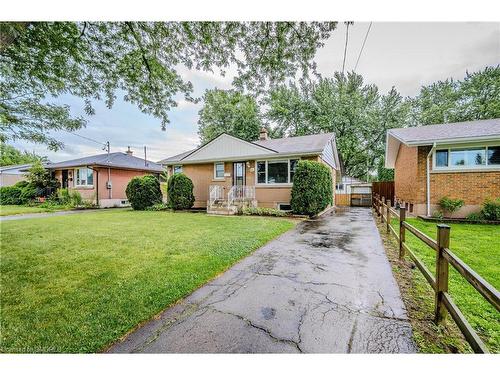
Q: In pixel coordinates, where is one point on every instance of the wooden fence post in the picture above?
(382, 209)
(388, 215)
(443, 241)
(402, 217)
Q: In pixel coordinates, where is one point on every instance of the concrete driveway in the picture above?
(324, 287)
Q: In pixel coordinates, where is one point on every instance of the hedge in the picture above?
(143, 192)
(180, 192)
(20, 193)
(312, 189)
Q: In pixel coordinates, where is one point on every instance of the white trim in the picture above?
(223, 171)
(249, 158)
(450, 168)
(75, 179)
(236, 151)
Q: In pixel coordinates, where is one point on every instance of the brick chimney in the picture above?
(129, 151)
(263, 136)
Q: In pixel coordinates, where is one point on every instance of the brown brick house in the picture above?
(457, 160)
(228, 170)
(103, 178)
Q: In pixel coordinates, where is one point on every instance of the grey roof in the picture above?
(301, 144)
(177, 157)
(113, 160)
(448, 132)
(14, 167)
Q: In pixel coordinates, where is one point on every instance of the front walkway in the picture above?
(324, 287)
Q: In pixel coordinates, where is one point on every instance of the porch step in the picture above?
(231, 210)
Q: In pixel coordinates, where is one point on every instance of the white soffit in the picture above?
(226, 146)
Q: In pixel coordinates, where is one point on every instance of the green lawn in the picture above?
(479, 247)
(79, 282)
(16, 210)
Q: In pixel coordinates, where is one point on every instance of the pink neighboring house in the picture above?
(103, 178)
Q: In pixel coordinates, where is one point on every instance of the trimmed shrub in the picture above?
(450, 205)
(180, 192)
(312, 189)
(29, 193)
(491, 209)
(10, 195)
(143, 192)
(262, 211)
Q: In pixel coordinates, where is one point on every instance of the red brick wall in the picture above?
(406, 175)
(410, 182)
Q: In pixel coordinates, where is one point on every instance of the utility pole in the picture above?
(145, 162)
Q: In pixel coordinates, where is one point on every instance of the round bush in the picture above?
(143, 192)
(10, 195)
(180, 192)
(312, 189)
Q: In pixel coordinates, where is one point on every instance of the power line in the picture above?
(83, 137)
(348, 23)
(363, 46)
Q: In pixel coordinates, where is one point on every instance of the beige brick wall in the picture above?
(202, 176)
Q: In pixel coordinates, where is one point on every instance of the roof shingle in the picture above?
(113, 160)
(451, 131)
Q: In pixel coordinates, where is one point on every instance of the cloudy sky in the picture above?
(404, 55)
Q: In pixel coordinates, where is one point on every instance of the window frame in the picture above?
(450, 167)
(223, 170)
(76, 174)
(267, 183)
(176, 166)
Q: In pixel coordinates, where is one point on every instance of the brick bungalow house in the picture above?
(457, 160)
(103, 178)
(228, 170)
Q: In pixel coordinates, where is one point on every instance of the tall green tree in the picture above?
(40, 61)
(476, 97)
(9, 155)
(357, 113)
(231, 112)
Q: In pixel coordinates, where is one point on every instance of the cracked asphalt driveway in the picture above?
(324, 287)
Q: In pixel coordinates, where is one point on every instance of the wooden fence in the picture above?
(384, 189)
(444, 257)
(342, 199)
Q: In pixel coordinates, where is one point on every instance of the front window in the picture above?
(494, 155)
(177, 169)
(84, 177)
(293, 166)
(219, 170)
(441, 158)
(276, 171)
(261, 172)
(470, 157)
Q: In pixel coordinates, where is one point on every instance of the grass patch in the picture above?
(17, 210)
(479, 247)
(78, 283)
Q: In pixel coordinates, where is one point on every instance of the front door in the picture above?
(239, 177)
(64, 178)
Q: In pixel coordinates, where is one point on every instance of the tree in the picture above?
(96, 60)
(473, 98)
(231, 112)
(357, 113)
(9, 155)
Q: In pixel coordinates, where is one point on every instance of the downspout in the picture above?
(429, 179)
(96, 184)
